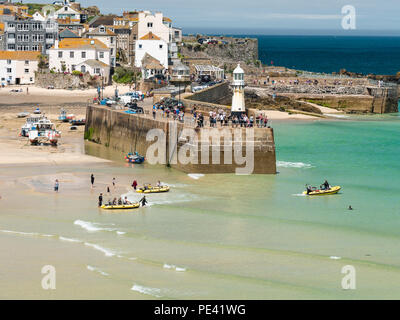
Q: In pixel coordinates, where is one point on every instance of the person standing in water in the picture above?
(100, 199)
(92, 180)
(134, 184)
(143, 201)
(56, 185)
(113, 182)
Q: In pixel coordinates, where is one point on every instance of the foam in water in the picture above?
(155, 292)
(195, 176)
(69, 239)
(94, 269)
(335, 258)
(286, 164)
(173, 267)
(121, 232)
(107, 252)
(90, 226)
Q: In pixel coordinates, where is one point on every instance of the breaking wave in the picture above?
(286, 164)
(155, 292)
(107, 252)
(91, 226)
(94, 269)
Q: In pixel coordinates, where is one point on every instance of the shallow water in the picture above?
(214, 236)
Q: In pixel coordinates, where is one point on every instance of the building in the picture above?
(1, 36)
(238, 104)
(108, 37)
(213, 72)
(81, 54)
(67, 34)
(18, 67)
(29, 35)
(69, 14)
(154, 46)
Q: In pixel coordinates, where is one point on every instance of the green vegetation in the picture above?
(123, 75)
(89, 134)
(77, 73)
(320, 103)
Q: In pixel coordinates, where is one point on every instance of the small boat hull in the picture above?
(332, 190)
(121, 207)
(153, 190)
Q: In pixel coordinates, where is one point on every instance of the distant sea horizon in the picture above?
(366, 54)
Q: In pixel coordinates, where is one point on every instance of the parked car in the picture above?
(201, 40)
(212, 41)
(134, 107)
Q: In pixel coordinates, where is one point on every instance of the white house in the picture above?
(153, 46)
(69, 14)
(18, 67)
(108, 37)
(81, 54)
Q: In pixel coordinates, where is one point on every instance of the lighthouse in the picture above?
(238, 105)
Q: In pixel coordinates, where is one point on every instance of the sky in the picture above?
(266, 16)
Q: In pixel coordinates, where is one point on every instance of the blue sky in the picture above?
(265, 16)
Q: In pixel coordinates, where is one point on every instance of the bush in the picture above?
(123, 75)
(77, 73)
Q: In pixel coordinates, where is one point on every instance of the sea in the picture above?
(327, 54)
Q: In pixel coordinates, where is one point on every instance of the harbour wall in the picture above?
(125, 133)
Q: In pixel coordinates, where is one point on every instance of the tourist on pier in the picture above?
(100, 199)
(56, 185)
(154, 111)
(265, 121)
(92, 180)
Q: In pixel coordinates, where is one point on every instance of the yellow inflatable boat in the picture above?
(150, 189)
(120, 207)
(332, 190)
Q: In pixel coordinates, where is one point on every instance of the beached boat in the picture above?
(150, 189)
(134, 158)
(332, 190)
(37, 111)
(43, 131)
(29, 123)
(64, 117)
(78, 122)
(23, 114)
(120, 207)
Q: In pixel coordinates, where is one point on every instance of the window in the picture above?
(112, 40)
(140, 46)
(83, 54)
(71, 54)
(160, 46)
(60, 54)
(83, 69)
(149, 24)
(97, 71)
(35, 47)
(112, 51)
(26, 37)
(11, 25)
(11, 47)
(31, 79)
(27, 62)
(102, 29)
(26, 48)
(8, 61)
(26, 70)
(11, 36)
(73, 67)
(9, 70)
(101, 55)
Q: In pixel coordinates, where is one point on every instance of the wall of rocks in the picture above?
(66, 81)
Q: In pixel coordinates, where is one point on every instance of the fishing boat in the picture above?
(37, 111)
(134, 158)
(322, 192)
(151, 189)
(64, 117)
(120, 206)
(43, 131)
(29, 123)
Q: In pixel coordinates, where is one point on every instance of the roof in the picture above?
(206, 68)
(150, 36)
(94, 63)
(19, 55)
(149, 62)
(81, 43)
(97, 31)
(102, 20)
(238, 69)
(167, 19)
(67, 33)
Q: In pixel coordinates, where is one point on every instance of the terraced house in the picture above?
(18, 67)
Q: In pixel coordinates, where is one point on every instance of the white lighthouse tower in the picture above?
(238, 104)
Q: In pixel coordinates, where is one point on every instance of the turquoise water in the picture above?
(217, 236)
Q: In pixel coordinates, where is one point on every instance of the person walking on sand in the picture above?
(134, 184)
(92, 180)
(143, 201)
(100, 199)
(27, 90)
(113, 182)
(108, 190)
(56, 185)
